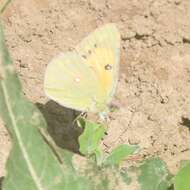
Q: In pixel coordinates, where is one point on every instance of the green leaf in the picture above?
(182, 179)
(120, 153)
(90, 139)
(64, 156)
(153, 175)
(99, 156)
(32, 163)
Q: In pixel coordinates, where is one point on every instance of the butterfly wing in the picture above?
(102, 51)
(70, 82)
(85, 79)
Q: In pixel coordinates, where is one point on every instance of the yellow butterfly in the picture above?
(86, 78)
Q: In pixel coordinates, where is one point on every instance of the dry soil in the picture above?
(153, 94)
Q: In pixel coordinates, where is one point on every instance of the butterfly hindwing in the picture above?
(65, 81)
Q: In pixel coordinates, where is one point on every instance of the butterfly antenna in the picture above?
(82, 114)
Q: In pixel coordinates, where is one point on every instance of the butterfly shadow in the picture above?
(61, 125)
(1, 180)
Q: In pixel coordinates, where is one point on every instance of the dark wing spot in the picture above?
(108, 67)
(89, 51)
(95, 45)
(84, 56)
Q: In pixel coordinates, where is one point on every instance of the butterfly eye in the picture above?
(108, 67)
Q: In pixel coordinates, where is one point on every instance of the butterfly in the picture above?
(85, 79)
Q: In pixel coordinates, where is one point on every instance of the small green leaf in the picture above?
(153, 175)
(120, 153)
(99, 156)
(91, 137)
(182, 179)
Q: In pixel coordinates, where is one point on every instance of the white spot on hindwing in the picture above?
(77, 79)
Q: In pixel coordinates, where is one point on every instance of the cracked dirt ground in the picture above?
(154, 87)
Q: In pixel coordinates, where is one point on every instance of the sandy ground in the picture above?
(154, 87)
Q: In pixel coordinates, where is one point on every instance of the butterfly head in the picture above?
(103, 116)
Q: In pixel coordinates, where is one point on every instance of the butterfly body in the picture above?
(85, 79)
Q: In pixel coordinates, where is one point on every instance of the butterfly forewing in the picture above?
(102, 50)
